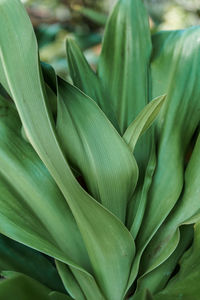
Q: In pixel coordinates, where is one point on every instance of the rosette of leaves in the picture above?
(99, 189)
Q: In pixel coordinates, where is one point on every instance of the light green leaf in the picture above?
(94, 147)
(89, 287)
(124, 61)
(143, 121)
(69, 281)
(109, 244)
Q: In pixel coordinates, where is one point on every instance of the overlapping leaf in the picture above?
(89, 83)
(157, 279)
(108, 242)
(176, 125)
(185, 285)
(28, 190)
(187, 211)
(13, 287)
(17, 257)
(18, 286)
(95, 148)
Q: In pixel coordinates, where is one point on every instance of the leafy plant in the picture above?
(97, 175)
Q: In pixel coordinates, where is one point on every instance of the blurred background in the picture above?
(54, 20)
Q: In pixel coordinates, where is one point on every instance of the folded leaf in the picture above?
(71, 284)
(143, 121)
(124, 61)
(95, 148)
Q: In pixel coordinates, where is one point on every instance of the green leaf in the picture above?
(137, 205)
(143, 121)
(69, 281)
(106, 163)
(142, 295)
(28, 189)
(185, 285)
(89, 287)
(58, 296)
(20, 287)
(109, 244)
(186, 211)
(16, 257)
(157, 279)
(49, 76)
(175, 128)
(124, 61)
(89, 83)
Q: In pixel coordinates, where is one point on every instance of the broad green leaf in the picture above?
(20, 287)
(143, 121)
(176, 127)
(71, 285)
(111, 251)
(27, 186)
(94, 147)
(124, 61)
(16, 257)
(89, 83)
(188, 206)
(124, 73)
(185, 285)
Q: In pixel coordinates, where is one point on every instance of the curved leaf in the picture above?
(143, 121)
(185, 284)
(94, 147)
(89, 83)
(16, 257)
